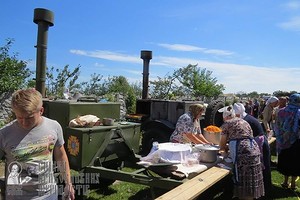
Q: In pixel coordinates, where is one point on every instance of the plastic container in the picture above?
(174, 152)
(213, 137)
(192, 159)
(108, 121)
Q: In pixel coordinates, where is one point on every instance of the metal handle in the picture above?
(142, 179)
(87, 99)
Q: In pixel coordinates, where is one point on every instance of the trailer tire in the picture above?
(212, 116)
(155, 131)
(150, 136)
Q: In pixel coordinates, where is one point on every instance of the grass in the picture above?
(121, 190)
(131, 191)
(280, 193)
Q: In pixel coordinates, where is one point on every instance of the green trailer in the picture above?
(65, 110)
(101, 151)
(101, 144)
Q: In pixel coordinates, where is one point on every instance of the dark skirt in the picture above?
(267, 166)
(288, 160)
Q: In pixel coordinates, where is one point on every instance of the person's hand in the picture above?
(69, 192)
(186, 139)
(223, 153)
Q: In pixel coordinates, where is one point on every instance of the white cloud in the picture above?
(99, 65)
(183, 47)
(292, 5)
(292, 8)
(235, 77)
(108, 55)
(292, 24)
(246, 78)
(136, 72)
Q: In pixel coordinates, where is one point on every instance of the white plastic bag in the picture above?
(84, 121)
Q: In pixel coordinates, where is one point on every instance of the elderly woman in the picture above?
(188, 128)
(245, 154)
(287, 132)
(260, 139)
(269, 113)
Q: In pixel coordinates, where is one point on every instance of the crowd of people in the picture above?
(245, 154)
(32, 141)
(246, 129)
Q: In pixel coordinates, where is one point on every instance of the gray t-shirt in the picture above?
(29, 159)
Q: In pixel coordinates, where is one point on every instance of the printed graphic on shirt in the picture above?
(33, 163)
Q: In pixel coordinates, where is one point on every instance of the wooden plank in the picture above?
(192, 188)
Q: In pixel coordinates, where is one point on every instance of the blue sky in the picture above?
(248, 45)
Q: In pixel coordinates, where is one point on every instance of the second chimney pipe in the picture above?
(43, 18)
(146, 56)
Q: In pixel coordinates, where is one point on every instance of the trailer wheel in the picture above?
(155, 131)
(212, 116)
(150, 136)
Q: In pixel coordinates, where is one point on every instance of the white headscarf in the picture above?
(271, 100)
(227, 111)
(239, 108)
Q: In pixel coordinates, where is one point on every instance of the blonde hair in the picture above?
(27, 100)
(195, 109)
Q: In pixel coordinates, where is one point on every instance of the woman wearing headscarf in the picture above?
(268, 113)
(287, 132)
(282, 102)
(245, 154)
(188, 128)
(260, 139)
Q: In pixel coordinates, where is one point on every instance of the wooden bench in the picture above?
(192, 188)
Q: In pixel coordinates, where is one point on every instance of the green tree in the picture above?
(199, 82)
(64, 78)
(162, 87)
(137, 89)
(130, 101)
(253, 94)
(94, 86)
(119, 84)
(13, 72)
(279, 93)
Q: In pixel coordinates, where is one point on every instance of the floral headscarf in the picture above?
(287, 128)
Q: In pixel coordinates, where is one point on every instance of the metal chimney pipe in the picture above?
(43, 18)
(146, 56)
